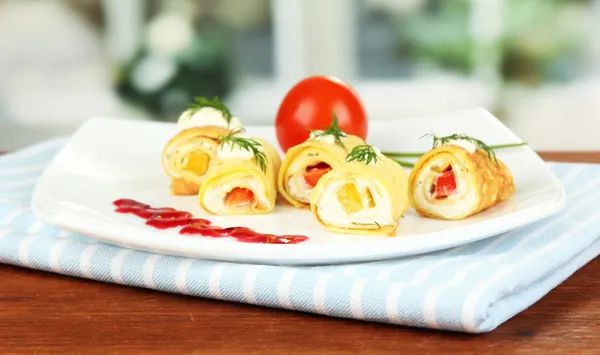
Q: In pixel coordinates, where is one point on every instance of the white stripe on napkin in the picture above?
(283, 289)
(35, 227)
(116, 265)
(320, 292)
(356, 293)
(3, 233)
(181, 276)
(214, 281)
(350, 270)
(148, 270)
(12, 215)
(24, 247)
(63, 233)
(55, 253)
(249, 281)
(391, 303)
(86, 258)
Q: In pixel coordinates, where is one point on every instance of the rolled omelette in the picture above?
(305, 163)
(187, 155)
(356, 198)
(235, 183)
(452, 182)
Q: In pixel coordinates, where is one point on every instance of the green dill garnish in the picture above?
(248, 144)
(202, 102)
(363, 153)
(333, 130)
(440, 141)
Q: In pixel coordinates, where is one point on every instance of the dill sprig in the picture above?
(363, 153)
(202, 102)
(248, 144)
(334, 130)
(440, 141)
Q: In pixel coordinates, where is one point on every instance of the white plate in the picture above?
(107, 159)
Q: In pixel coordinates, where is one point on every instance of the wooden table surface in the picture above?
(44, 313)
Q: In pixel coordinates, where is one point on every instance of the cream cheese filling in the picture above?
(331, 211)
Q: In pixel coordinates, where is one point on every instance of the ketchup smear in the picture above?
(167, 217)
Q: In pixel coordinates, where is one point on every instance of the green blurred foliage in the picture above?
(203, 69)
(541, 40)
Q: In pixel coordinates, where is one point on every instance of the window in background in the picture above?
(419, 57)
(413, 38)
(549, 73)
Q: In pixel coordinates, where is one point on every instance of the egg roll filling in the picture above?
(314, 172)
(192, 157)
(246, 193)
(445, 188)
(240, 197)
(355, 202)
(196, 162)
(445, 184)
(304, 178)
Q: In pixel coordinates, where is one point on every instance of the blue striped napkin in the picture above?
(473, 288)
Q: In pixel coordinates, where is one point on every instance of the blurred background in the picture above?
(534, 63)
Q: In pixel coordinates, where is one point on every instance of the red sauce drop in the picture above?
(164, 213)
(273, 239)
(127, 203)
(161, 223)
(167, 217)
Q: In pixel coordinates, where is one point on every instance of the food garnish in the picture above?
(249, 144)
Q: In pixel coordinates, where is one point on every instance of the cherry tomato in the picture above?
(310, 104)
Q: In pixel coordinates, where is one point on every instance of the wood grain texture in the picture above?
(44, 313)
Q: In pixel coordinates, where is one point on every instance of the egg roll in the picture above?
(359, 198)
(186, 157)
(236, 184)
(306, 163)
(452, 182)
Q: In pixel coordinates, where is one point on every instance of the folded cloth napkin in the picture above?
(472, 288)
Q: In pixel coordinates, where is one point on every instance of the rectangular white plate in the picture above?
(108, 159)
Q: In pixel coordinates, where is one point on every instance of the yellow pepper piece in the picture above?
(197, 163)
(349, 198)
(370, 199)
